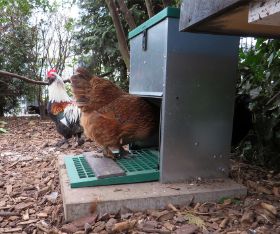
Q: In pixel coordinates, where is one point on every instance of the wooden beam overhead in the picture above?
(231, 17)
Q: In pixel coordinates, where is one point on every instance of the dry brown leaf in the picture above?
(23, 205)
(10, 230)
(197, 205)
(248, 217)
(187, 229)
(259, 188)
(2, 203)
(42, 215)
(224, 223)
(262, 189)
(276, 191)
(172, 207)
(70, 228)
(25, 215)
(9, 189)
(269, 207)
(88, 219)
(166, 215)
(123, 226)
(169, 226)
(28, 222)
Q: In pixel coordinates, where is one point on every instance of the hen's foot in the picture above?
(108, 153)
(61, 143)
(80, 141)
(123, 153)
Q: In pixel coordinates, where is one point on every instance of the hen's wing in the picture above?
(107, 131)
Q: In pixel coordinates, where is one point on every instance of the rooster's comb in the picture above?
(50, 72)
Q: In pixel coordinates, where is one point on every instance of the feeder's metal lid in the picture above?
(228, 17)
(167, 12)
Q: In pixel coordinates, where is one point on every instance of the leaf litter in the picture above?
(30, 196)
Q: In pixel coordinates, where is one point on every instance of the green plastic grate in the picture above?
(140, 166)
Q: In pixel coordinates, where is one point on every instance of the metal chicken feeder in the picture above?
(193, 78)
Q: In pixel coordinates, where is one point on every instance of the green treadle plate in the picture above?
(140, 166)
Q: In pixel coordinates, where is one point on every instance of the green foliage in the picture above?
(97, 45)
(28, 46)
(3, 130)
(15, 46)
(69, 24)
(196, 220)
(259, 69)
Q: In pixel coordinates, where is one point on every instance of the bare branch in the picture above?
(167, 3)
(149, 7)
(120, 32)
(127, 14)
(8, 74)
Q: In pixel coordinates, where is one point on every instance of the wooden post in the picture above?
(266, 12)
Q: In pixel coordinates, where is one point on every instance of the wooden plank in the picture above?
(195, 12)
(103, 167)
(223, 17)
(265, 12)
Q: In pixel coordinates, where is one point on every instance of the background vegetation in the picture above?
(259, 68)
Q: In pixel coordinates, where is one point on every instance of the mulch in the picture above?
(30, 198)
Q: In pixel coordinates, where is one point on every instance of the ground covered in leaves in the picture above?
(30, 199)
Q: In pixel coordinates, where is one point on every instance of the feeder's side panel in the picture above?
(198, 105)
(147, 66)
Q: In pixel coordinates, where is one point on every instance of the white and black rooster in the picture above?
(62, 110)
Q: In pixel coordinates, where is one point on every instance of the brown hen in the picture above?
(111, 116)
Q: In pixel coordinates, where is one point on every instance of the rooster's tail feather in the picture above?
(72, 113)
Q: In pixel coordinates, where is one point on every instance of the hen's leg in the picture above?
(61, 142)
(108, 153)
(123, 152)
(80, 140)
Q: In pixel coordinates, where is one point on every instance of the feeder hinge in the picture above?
(144, 40)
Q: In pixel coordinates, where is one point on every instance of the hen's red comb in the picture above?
(49, 74)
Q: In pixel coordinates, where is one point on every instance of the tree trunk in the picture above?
(149, 8)
(41, 103)
(167, 3)
(124, 78)
(127, 14)
(1, 111)
(120, 32)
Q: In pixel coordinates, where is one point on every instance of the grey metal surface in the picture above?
(197, 106)
(104, 167)
(148, 66)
